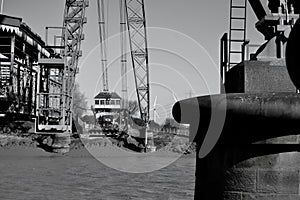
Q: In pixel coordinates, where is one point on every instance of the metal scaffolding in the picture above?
(57, 75)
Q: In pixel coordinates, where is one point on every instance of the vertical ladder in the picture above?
(237, 31)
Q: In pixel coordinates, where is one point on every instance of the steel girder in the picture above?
(123, 40)
(103, 45)
(74, 19)
(136, 22)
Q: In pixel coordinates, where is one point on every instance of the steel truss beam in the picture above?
(136, 22)
(57, 75)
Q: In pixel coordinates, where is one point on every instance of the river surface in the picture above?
(28, 173)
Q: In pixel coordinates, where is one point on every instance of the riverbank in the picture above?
(174, 144)
(8, 141)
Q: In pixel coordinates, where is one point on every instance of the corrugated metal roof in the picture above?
(107, 95)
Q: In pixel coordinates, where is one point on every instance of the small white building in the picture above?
(107, 103)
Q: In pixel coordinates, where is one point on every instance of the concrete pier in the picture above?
(256, 155)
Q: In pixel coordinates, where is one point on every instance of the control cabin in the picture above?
(107, 103)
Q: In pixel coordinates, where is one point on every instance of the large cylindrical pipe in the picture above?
(249, 117)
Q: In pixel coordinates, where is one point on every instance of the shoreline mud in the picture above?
(176, 145)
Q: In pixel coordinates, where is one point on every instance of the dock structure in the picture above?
(37, 77)
(248, 136)
(19, 54)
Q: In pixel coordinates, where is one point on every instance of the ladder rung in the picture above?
(233, 63)
(237, 29)
(238, 6)
(235, 51)
(237, 40)
(238, 18)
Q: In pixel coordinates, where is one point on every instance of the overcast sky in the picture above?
(183, 39)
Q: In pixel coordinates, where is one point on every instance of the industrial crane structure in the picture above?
(37, 77)
(111, 117)
(103, 43)
(57, 73)
(275, 20)
(136, 22)
(132, 18)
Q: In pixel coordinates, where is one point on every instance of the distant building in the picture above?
(107, 103)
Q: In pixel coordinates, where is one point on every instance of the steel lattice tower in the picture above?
(74, 19)
(136, 22)
(57, 73)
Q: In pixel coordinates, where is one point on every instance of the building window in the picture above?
(107, 102)
(118, 102)
(97, 102)
(102, 102)
(112, 102)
